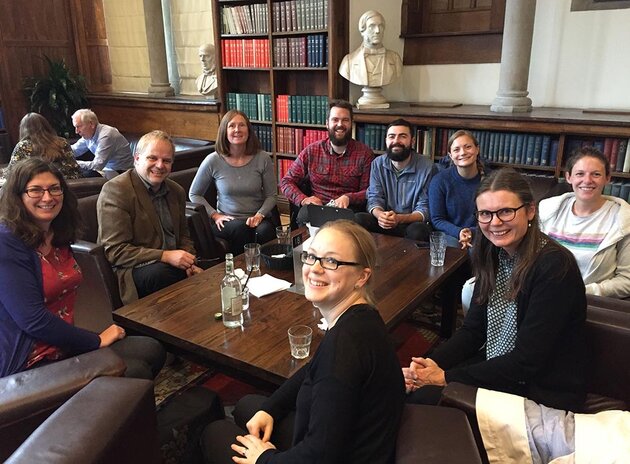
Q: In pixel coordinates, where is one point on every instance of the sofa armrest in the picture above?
(111, 419)
(29, 397)
(464, 397)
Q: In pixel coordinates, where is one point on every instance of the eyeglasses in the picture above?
(327, 263)
(38, 192)
(504, 214)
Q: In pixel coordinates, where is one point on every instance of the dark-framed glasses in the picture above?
(327, 263)
(38, 192)
(504, 214)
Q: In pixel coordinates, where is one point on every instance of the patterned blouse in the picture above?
(61, 276)
(66, 164)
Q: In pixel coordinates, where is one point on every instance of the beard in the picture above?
(339, 142)
(398, 156)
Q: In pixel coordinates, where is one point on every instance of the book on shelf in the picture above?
(621, 155)
(545, 152)
(626, 161)
(608, 142)
(538, 141)
(300, 15)
(613, 154)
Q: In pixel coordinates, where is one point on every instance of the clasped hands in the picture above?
(465, 238)
(181, 259)
(421, 372)
(251, 446)
(387, 219)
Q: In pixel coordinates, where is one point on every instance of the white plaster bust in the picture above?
(371, 64)
(207, 82)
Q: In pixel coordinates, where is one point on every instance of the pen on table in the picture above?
(199, 260)
(421, 244)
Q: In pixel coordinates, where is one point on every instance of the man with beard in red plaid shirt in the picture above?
(335, 171)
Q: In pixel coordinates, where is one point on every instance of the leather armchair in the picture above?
(28, 398)
(608, 337)
(111, 420)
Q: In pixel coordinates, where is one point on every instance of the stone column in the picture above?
(515, 56)
(160, 86)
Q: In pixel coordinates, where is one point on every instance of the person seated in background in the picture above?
(345, 404)
(37, 138)
(336, 170)
(39, 220)
(397, 197)
(142, 222)
(112, 153)
(593, 226)
(452, 191)
(245, 181)
(524, 331)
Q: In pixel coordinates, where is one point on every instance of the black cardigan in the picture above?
(547, 363)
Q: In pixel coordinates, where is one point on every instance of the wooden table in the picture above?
(181, 315)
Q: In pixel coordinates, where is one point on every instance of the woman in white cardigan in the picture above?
(595, 227)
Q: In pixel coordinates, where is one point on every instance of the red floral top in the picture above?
(61, 276)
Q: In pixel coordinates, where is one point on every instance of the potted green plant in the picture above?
(57, 95)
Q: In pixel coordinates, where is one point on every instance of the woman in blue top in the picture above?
(244, 178)
(452, 191)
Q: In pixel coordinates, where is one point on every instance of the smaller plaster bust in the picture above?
(207, 82)
(371, 64)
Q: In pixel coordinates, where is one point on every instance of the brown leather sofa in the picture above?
(608, 337)
(28, 398)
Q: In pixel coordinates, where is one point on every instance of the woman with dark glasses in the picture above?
(523, 333)
(345, 405)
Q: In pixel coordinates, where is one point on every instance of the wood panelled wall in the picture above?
(70, 29)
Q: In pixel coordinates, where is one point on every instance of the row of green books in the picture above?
(508, 147)
(257, 106)
(265, 137)
(302, 109)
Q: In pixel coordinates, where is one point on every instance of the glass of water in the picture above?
(300, 337)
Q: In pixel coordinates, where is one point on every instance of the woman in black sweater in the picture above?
(524, 332)
(344, 406)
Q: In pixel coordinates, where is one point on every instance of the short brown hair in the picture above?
(346, 105)
(153, 136)
(583, 152)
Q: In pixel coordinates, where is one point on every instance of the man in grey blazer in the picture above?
(142, 223)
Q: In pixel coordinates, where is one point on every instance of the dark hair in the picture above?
(402, 122)
(46, 144)
(346, 105)
(364, 250)
(13, 214)
(252, 146)
(583, 152)
(464, 132)
(485, 254)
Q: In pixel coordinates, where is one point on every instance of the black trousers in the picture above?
(143, 356)
(238, 233)
(218, 436)
(153, 277)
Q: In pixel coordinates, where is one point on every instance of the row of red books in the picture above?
(245, 53)
(293, 140)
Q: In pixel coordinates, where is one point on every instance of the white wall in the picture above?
(579, 60)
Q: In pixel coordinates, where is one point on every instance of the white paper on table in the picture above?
(266, 285)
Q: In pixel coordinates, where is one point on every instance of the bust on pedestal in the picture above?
(371, 65)
(207, 82)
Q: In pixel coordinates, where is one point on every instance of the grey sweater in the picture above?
(241, 191)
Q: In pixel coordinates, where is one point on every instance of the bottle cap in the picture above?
(218, 316)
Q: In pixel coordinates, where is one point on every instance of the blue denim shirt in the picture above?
(404, 193)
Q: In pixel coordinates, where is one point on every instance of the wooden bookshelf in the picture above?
(563, 128)
(312, 74)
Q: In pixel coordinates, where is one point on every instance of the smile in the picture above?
(312, 283)
(499, 233)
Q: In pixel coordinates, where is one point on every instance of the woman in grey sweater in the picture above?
(244, 178)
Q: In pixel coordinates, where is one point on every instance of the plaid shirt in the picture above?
(329, 175)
